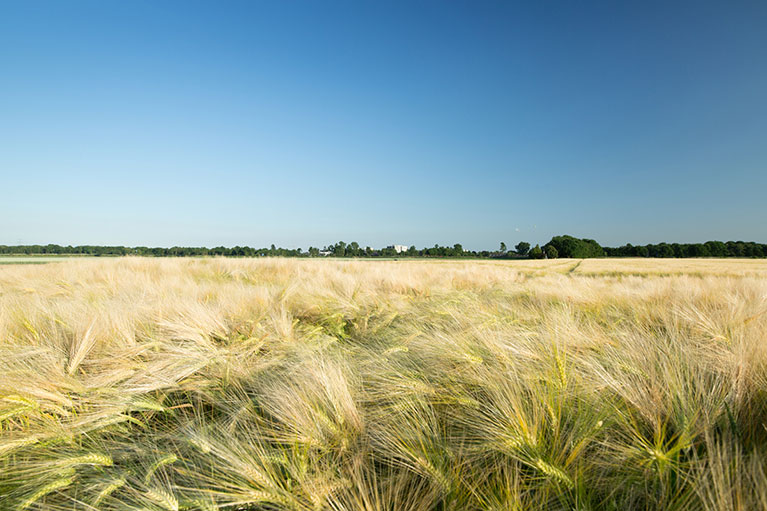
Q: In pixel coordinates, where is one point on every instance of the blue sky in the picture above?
(304, 123)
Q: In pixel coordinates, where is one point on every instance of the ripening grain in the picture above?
(168, 384)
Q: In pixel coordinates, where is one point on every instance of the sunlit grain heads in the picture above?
(56, 484)
(271, 384)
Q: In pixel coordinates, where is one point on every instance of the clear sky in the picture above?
(305, 123)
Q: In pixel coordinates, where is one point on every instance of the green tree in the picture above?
(568, 246)
(550, 251)
(339, 249)
(536, 253)
(522, 247)
(716, 248)
(503, 247)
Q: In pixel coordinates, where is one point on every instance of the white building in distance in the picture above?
(399, 248)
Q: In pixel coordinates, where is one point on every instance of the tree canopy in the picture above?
(568, 246)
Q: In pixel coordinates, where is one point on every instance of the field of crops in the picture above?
(304, 384)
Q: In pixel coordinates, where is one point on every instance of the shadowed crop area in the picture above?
(308, 385)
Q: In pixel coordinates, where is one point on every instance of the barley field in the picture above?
(287, 384)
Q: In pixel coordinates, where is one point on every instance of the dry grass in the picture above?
(351, 385)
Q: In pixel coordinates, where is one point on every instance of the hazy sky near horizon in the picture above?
(307, 122)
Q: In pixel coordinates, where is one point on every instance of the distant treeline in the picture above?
(340, 249)
(559, 246)
(568, 246)
(707, 249)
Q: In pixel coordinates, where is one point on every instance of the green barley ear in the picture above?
(108, 490)
(396, 349)
(66, 472)
(12, 412)
(31, 329)
(22, 405)
(97, 459)
(561, 369)
(146, 403)
(473, 359)
(12, 445)
(19, 400)
(58, 484)
(166, 460)
(163, 498)
(554, 472)
(434, 472)
(200, 443)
